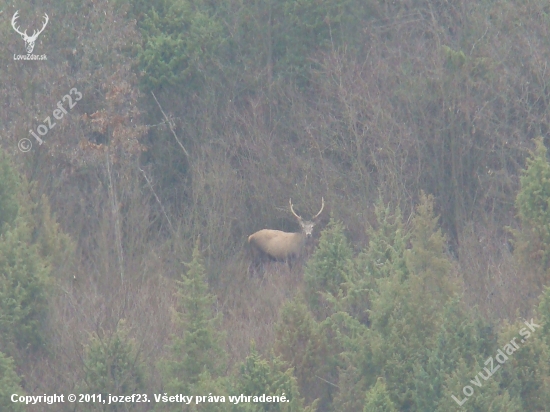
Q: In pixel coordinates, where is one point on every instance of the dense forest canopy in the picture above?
(142, 142)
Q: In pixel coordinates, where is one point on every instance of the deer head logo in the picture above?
(29, 40)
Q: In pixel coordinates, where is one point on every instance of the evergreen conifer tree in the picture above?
(112, 366)
(532, 241)
(259, 376)
(377, 399)
(196, 351)
(24, 273)
(406, 311)
(330, 267)
(9, 385)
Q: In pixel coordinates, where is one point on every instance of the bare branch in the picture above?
(170, 125)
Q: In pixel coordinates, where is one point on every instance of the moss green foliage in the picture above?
(329, 268)
(55, 246)
(31, 245)
(455, 59)
(544, 313)
(302, 342)
(489, 397)
(387, 243)
(525, 376)
(196, 352)
(186, 40)
(24, 273)
(23, 290)
(112, 365)
(9, 184)
(9, 384)
(260, 376)
(181, 41)
(533, 208)
(385, 255)
(377, 398)
(426, 259)
(306, 26)
(406, 313)
(419, 346)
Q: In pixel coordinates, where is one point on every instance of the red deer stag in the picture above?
(282, 246)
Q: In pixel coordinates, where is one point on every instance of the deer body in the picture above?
(276, 244)
(282, 246)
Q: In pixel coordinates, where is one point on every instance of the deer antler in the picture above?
(14, 18)
(322, 207)
(292, 210)
(34, 33)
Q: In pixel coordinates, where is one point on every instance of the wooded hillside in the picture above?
(156, 136)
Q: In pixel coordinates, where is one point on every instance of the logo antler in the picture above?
(29, 40)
